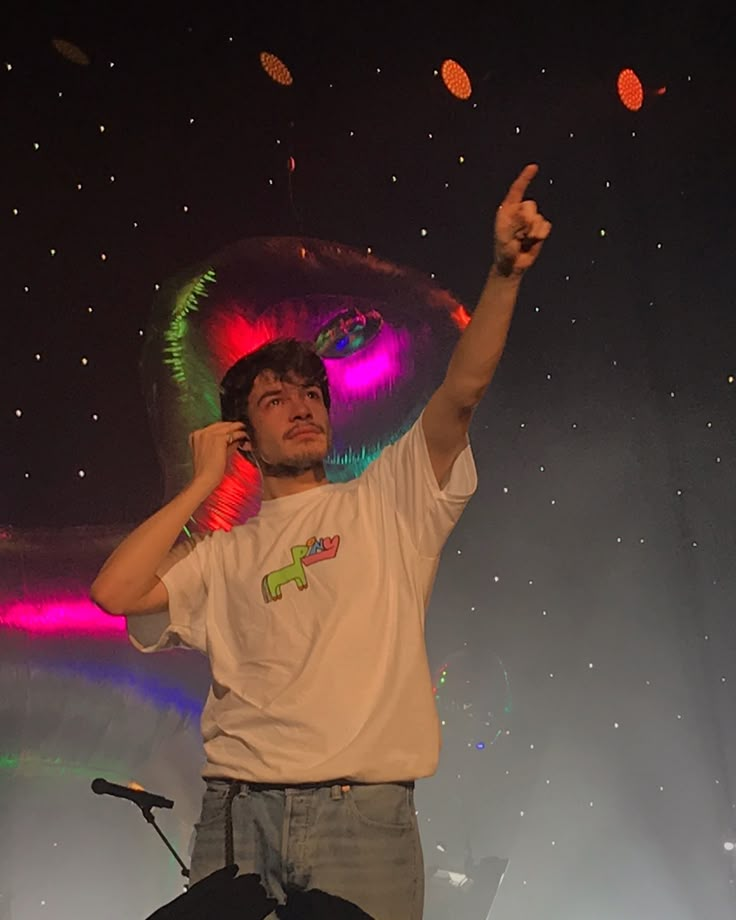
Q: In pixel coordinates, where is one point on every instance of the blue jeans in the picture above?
(360, 843)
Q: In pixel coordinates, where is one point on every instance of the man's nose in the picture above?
(300, 407)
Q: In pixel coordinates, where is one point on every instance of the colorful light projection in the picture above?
(74, 678)
(73, 710)
(156, 688)
(77, 698)
(473, 697)
(72, 640)
(385, 334)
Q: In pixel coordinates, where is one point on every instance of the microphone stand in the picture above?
(145, 801)
(148, 815)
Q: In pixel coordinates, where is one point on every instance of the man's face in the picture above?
(290, 423)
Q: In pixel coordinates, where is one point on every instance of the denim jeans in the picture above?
(359, 842)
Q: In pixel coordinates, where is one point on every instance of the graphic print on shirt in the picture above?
(314, 550)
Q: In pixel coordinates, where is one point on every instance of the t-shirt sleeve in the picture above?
(407, 484)
(186, 573)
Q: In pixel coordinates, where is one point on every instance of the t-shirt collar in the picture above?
(291, 503)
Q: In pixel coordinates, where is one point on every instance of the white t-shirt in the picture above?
(312, 616)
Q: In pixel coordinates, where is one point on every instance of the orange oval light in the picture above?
(456, 79)
(630, 90)
(71, 52)
(276, 69)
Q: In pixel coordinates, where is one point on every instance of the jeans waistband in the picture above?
(281, 787)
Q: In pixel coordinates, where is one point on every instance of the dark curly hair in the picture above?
(285, 358)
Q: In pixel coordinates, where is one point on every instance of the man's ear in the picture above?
(245, 449)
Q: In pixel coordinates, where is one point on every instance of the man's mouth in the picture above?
(310, 431)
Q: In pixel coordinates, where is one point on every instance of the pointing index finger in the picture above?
(520, 184)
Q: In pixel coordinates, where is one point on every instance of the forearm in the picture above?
(130, 571)
(481, 345)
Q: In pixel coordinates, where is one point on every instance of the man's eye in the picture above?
(314, 394)
(274, 401)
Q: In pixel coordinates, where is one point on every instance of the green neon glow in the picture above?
(342, 466)
(175, 336)
(345, 465)
(28, 763)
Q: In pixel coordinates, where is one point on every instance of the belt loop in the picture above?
(229, 842)
(338, 791)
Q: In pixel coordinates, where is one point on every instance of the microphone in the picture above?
(140, 797)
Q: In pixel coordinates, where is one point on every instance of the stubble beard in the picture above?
(296, 464)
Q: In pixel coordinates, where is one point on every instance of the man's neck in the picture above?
(279, 484)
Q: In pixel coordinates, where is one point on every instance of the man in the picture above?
(320, 716)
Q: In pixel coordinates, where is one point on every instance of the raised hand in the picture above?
(520, 229)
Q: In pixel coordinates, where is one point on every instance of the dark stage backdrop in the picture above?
(581, 630)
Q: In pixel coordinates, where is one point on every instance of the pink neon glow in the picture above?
(72, 617)
(378, 368)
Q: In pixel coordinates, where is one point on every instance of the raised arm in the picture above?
(127, 583)
(520, 232)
